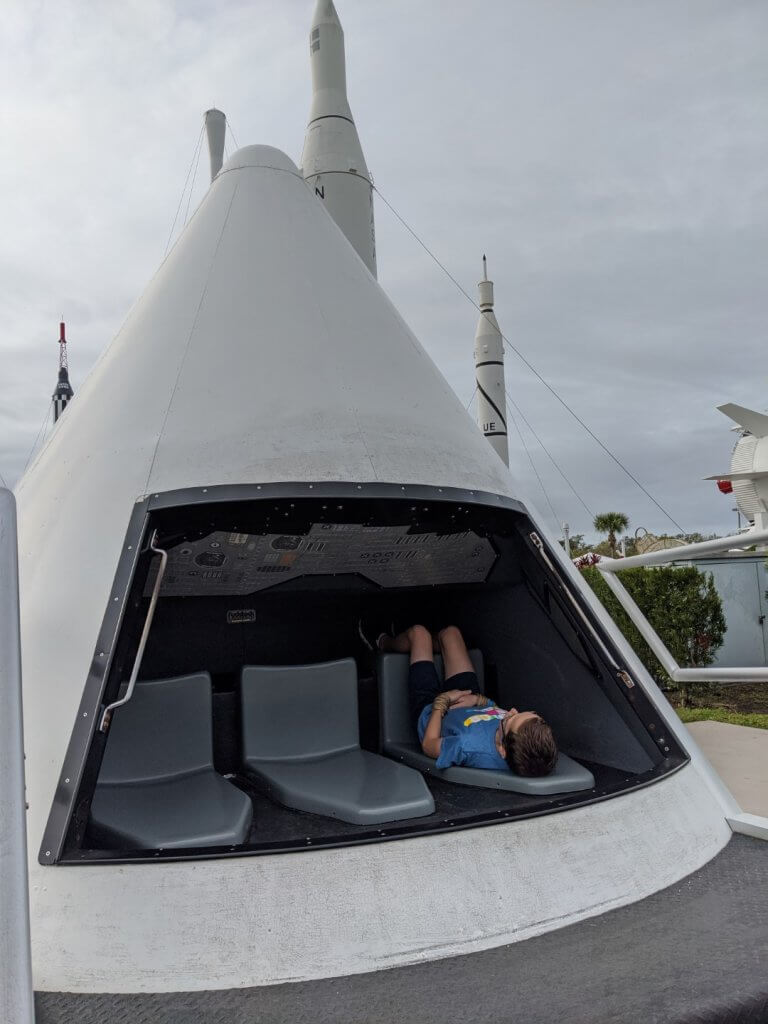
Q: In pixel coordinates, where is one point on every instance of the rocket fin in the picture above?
(758, 475)
(755, 422)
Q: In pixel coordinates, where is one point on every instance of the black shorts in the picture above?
(424, 685)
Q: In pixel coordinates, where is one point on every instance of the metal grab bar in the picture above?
(608, 567)
(16, 999)
(106, 718)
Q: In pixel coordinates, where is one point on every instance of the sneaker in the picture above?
(371, 637)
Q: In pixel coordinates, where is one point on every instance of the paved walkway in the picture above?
(739, 754)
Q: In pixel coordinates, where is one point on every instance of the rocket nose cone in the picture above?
(325, 14)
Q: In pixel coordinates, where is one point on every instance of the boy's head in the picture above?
(526, 743)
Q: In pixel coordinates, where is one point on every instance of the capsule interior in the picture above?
(285, 576)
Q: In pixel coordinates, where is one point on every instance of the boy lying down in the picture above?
(459, 725)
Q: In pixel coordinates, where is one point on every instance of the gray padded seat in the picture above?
(400, 740)
(157, 787)
(301, 742)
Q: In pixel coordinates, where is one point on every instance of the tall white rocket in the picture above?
(489, 372)
(216, 129)
(332, 163)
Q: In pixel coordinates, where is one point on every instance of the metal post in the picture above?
(16, 994)
(567, 539)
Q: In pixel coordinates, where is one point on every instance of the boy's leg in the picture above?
(423, 682)
(456, 660)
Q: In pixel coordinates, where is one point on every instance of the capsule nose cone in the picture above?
(325, 14)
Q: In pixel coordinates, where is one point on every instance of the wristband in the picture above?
(441, 703)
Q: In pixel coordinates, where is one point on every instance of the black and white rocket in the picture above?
(489, 372)
(332, 162)
(63, 391)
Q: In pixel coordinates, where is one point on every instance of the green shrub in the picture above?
(682, 605)
(755, 721)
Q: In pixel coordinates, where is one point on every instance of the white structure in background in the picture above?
(489, 372)
(332, 161)
(216, 130)
(749, 465)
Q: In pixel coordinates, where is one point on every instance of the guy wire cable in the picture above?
(555, 517)
(530, 366)
(547, 452)
(183, 191)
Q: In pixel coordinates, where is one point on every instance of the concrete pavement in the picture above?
(739, 755)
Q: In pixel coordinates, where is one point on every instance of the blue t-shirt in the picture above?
(468, 737)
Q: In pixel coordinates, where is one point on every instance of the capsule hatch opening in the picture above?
(291, 579)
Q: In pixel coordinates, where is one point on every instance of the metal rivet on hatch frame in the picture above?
(47, 853)
(85, 714)
(66, 781)
(359, 487)
(205, 490)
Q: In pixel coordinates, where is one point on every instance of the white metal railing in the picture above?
(16, 996)
(609, 567)
(741, 821)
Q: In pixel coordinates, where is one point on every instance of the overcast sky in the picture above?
(610, 157)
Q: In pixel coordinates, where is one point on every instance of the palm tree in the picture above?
(611, 523)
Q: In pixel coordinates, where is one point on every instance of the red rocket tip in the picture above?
(62, 335)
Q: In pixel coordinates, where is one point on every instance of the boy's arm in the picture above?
(432, 740)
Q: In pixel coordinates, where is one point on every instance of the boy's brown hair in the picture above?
(532, 750)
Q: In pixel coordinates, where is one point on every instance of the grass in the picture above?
(756, 721)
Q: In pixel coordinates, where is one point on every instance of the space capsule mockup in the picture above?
(262, 458)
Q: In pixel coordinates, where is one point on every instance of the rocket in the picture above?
(62, 393)
(332, 162)
(216, 128)
(489, 372)
(748, 477)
